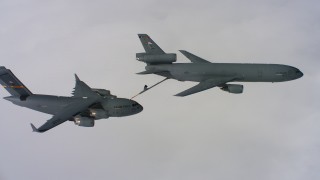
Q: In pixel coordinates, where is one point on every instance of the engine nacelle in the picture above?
(84, 121)
(157, 58)
(98, 114)
(233, 88)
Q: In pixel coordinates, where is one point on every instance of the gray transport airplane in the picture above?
(83, 108)
(209, 74)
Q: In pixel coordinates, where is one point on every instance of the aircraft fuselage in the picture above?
(242, 72)
(109, 107)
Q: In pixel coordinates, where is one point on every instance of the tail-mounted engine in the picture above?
(233, 88)
(84, 121)
(157, 58)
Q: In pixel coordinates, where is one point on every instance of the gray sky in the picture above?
(270, 132)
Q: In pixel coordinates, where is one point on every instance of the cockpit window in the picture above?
(134, 104)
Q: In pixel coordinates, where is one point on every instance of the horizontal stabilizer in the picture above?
(151, 72)
(193, 58)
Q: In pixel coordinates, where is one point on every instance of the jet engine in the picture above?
(157, 58)
(99, 114)
(233, 88)
(84, 121)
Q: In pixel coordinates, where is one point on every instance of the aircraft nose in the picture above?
(299, 73)
(140, 107)
(136, 107)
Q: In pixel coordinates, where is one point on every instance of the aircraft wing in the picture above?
(149, 45)
(204, 85)
(67, 113)
(193, 58)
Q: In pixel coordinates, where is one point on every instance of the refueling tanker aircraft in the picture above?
(209, 74)
(83, 108)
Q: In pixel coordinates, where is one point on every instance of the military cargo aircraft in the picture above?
(209, 74)
(83, 108)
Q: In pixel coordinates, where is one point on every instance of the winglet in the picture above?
(82, 89)
(77, 78)
(34, 129)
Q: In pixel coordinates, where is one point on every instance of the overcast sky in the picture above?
(271, 131)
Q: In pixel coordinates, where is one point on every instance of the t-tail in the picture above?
(153, 53)
(12, 84)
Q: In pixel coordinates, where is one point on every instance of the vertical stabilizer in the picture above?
(12, 84)
(154, 54)
(149, 45)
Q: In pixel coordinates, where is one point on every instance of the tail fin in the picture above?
(149, 45)
(12, 84)
(154, 54)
